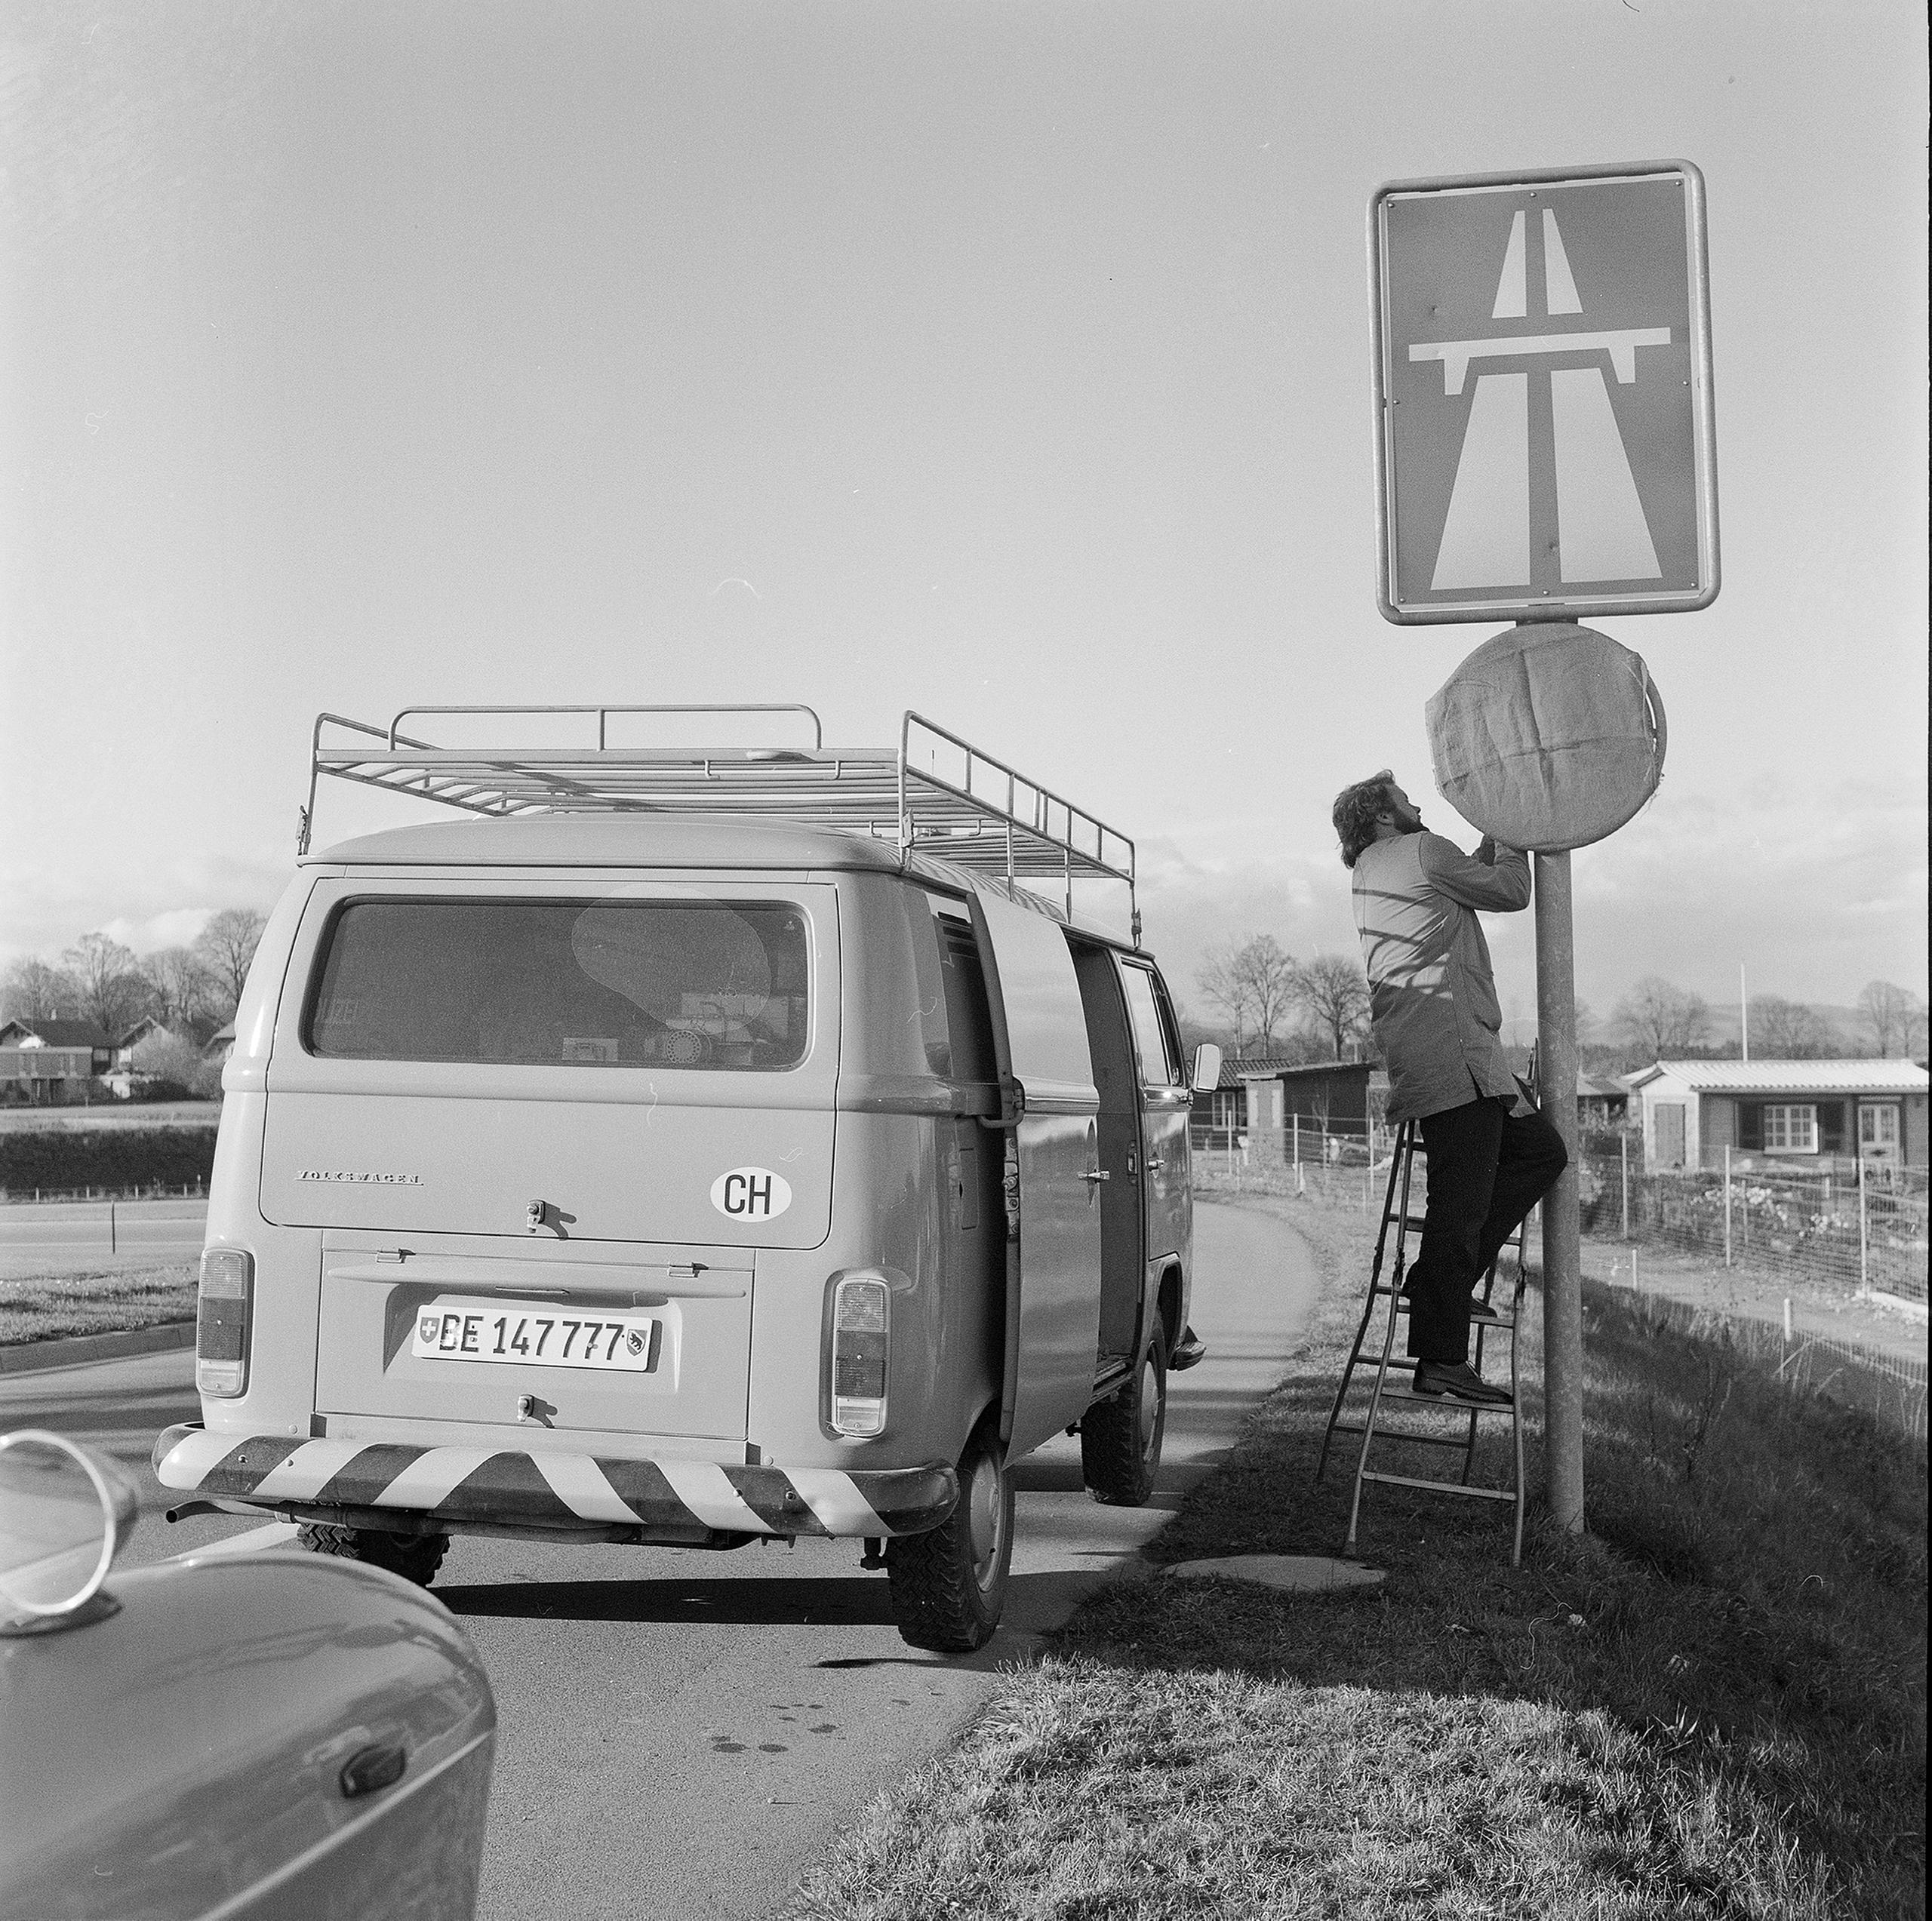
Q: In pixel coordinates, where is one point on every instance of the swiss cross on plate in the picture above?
(1542, 388)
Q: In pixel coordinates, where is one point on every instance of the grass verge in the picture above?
(1711, 1705)
(43, 1307)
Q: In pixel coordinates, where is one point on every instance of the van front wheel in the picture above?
(1120, 1438)
(949, 1584)
(416, 1557)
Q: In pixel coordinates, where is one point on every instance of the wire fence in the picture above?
(1893, 1387)
(1860, 1228)
(136, 1191)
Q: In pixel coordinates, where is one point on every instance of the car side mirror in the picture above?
(64, 1515)
(1207, 1068)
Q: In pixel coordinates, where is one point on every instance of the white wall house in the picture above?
(1796, 1111)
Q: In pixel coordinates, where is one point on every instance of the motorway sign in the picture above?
(1545, 447)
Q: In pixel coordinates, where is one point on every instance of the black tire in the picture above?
(415, 1556)
(1120, 1437)
(949, 1585)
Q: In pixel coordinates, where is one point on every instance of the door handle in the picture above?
(1097, 1174)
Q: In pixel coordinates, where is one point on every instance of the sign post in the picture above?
(1562, 1240)
(1545, 451)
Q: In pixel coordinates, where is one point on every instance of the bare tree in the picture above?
(1253, 985)
(227, 944)
(182, 989)
(34, 991)
(1335, 991)
(108, 976)
(1894, 1017)
(1659, 1020)
(1784, 1030)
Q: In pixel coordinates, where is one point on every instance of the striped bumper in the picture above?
(669, 1500)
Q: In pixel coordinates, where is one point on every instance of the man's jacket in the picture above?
(1432, 991)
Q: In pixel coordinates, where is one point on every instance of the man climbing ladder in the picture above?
(1432, 996)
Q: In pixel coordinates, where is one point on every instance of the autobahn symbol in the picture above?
(1543, 355)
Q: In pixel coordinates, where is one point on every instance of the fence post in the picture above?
(1864, 1284)
(1726, 1204)
(113, 1240)
(1623, 1151)
(1294, 1121)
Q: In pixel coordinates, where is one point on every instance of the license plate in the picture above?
(532, 1334)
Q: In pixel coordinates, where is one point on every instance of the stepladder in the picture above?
(1377, 1399)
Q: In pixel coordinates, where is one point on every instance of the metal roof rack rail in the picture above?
(938, 794)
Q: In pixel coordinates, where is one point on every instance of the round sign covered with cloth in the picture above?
(1549, 736)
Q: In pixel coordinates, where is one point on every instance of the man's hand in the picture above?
(1486, 850)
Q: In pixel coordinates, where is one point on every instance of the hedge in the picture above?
(113, 1157)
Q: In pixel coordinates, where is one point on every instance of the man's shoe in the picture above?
(1486, 1310)
(1459, 1381)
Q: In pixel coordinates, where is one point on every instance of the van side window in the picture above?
(968, 1024)
(935, 1020)
(1159, 1067)
(582, 983)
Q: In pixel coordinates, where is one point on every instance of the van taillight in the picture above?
(221, 1321)
(861, 1341)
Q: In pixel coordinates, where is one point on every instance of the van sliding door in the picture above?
(1053, 1317)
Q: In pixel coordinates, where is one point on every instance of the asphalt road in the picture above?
(81, 1237)
(681, 1733)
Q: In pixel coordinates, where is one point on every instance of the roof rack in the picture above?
(938, 795)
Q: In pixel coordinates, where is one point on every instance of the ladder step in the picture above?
(1444, 1487)
(1507, 1320)
(1396, 1434)
(1449, 1403)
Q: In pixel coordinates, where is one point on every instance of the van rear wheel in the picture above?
(1120, 1438)
(416, 1557)
(949, 1584)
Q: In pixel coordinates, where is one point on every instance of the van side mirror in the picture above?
(1207, 1068)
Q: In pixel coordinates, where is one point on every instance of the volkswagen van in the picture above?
(695, 1147)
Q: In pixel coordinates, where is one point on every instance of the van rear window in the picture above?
(685, 984)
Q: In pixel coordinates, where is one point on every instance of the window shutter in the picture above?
(1750, 1126)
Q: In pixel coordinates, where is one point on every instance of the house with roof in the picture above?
(1796, 1111)
(51, 1060)
(1267, 1097)
(147, 1028)
(1602, 1101)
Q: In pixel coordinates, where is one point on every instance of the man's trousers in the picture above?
(1487, 1168)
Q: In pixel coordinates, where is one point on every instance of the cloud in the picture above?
(176, 926)
(1815, 896)
(49, 906)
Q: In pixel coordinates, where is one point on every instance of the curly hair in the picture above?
(1355, 810)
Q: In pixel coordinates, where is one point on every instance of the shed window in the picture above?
(1790, 1129)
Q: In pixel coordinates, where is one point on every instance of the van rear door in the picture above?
(624, 1062)
(1053, 1318)
(530, 1113)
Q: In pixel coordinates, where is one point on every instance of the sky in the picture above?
(1009, 362)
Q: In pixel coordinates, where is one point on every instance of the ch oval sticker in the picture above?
(751, 1194)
